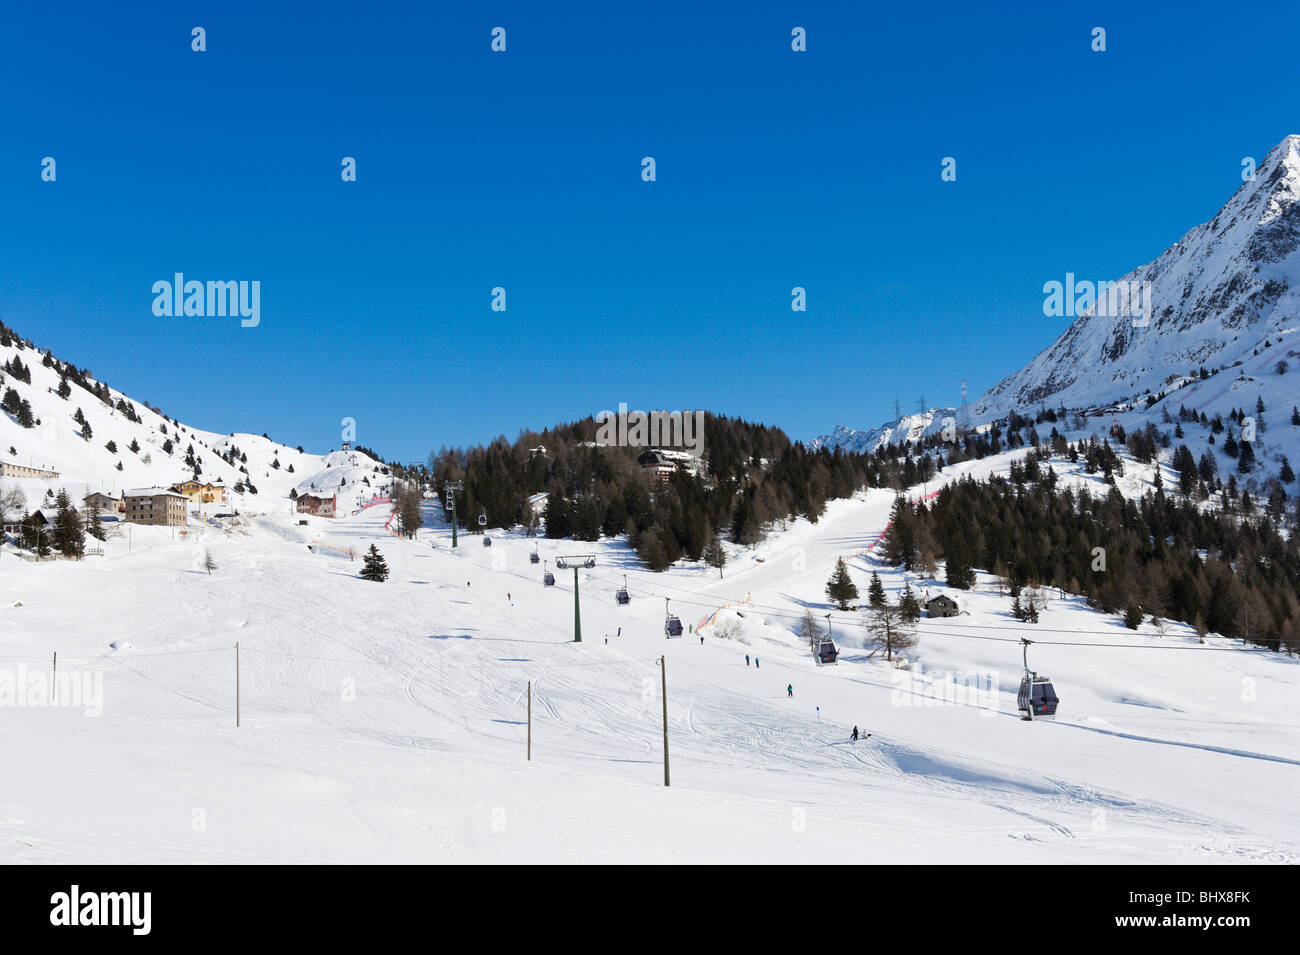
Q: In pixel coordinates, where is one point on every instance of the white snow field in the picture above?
(386, 722)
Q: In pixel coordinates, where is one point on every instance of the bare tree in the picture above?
(888, 629)
(809, 631)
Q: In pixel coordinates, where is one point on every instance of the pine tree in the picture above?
(209, 564)
(69, 534)
(876, 592)
(841, 588)
(94, 526)
(909, 604)
(959, 573)
(87, 433)
(1133, 615)
(373, 566)
(1031, 611)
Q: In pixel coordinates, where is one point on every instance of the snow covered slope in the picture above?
(1215, 297)
(57, 442)
(352, 477)
(388, 722)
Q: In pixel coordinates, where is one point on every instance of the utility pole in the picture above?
(530, 720)
(54, 674)
(663, 670)
(236, 683)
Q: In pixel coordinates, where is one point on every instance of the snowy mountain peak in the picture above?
(1212, 299)
(909, 428)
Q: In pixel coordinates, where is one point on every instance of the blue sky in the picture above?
(522, 170)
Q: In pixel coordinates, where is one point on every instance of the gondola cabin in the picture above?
(533, 558)
(487, 541)
(1037, 698)
(672, 627)
(622, 597)
(548, 579)
(826, 653)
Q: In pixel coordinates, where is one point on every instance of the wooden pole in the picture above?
(663, 670)
(54, 673)
(530, 720)
(236, 683)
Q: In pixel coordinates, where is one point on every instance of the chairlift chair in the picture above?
(1036, 698)
(672, 626)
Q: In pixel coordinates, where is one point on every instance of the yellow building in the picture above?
(202, 492)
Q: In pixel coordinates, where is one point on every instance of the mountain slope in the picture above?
(57, 442)
(1214, 297)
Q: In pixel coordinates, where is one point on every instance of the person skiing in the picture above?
(507, 595)
(755, 663)
(789, 690)
(620, 632)
(746, 659)
(701, 639)
(855, 733)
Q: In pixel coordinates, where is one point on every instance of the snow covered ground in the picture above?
(387, 722)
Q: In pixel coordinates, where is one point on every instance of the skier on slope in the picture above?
(746, 659)
(855, 733)
(789, 690)
(755, 663)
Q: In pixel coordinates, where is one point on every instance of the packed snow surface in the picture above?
(387, 722)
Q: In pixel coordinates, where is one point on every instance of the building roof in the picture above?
(150, 492)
